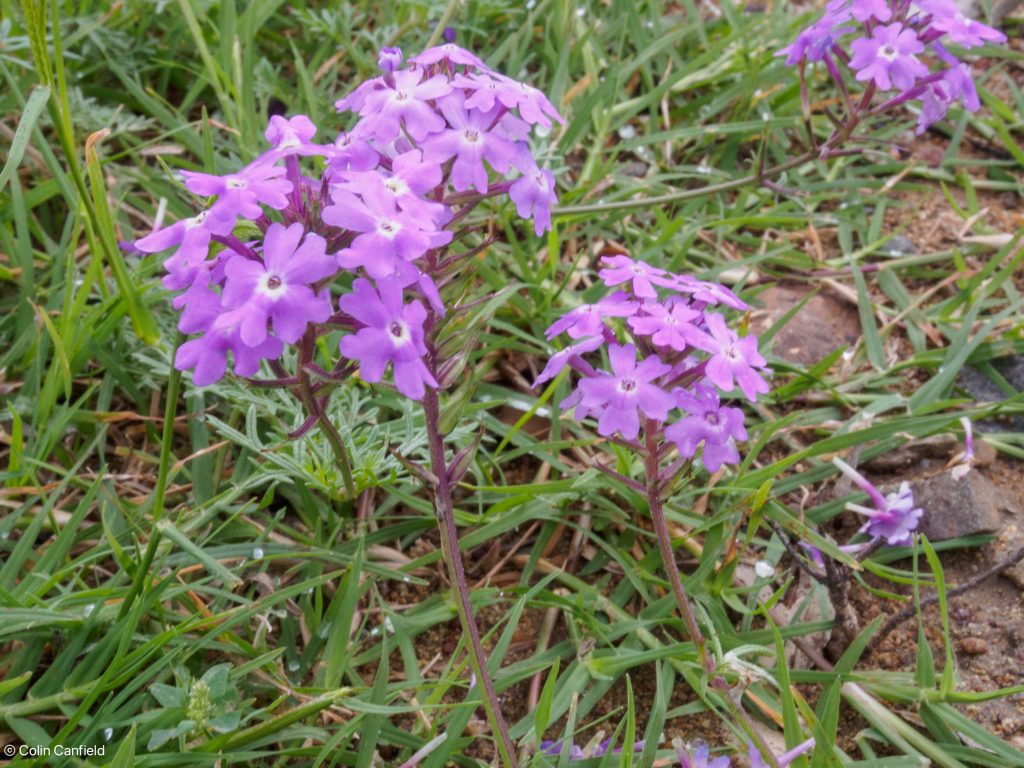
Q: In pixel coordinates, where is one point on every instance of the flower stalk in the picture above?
(654, 486)
(444, 509)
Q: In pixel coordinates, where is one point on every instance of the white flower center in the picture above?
(396, 186)
(399, 332)
(627, 385)
(388, 228)
(471, 136)
(271, 285)
(401, 96)
(888, 52)
(196, 221)
(236, 183)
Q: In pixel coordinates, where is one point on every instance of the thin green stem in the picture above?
(449, 13)
(309, 400)
(836, 140)
(156, 510)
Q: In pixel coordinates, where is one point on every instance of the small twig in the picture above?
(968, 585)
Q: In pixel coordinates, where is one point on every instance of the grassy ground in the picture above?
(323, 629)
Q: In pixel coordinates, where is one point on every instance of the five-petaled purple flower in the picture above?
(734, 360)
(243, 193)
(716, 426)
(624, 392)
(889, 57)
(279, 288)
(405, 105)
(470, 139)
(392, 332)
(641, 275)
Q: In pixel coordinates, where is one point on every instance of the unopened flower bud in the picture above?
(389, 59)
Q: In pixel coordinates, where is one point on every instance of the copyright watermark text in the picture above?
(59, 750)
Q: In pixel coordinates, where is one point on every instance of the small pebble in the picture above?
(974, 646)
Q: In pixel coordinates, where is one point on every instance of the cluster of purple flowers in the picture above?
(379, 204)
(679, 355)
(895, 45)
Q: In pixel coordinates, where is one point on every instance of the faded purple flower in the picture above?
(351, 153)
(619, 396)
(392, 333)
(564, 357)
(863, 10)
(488, 89)
(961, 30)
(279, 289)
(734, 360)
(758, 761)
(192, 236)
(815, 41)
(709, 422)
(208, 354)
(292, 135)
(588, 319)
(707, 292)
(892, 517)
(448, 52)
(888, 57)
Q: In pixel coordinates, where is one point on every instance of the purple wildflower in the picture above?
(710, 423)
(448, 52)
(534, 193)
(864, 10)
(961, 30)
(242, 193)
(392, 333)
(733, 359)
(388, 237)
(291, 136)
(707, 292)
(387, 110)
(888, 57)
(588, 319)
(622, 269)
(351, 153)
(487, 89)
(470, 140)
(665, 324)
(892, 517)
(410, 178)
(564, 357)
(619, 396)
(814, 42)
(697, 756)
(280, 287)
(192, 236)
(757, 760)
(955, 84)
